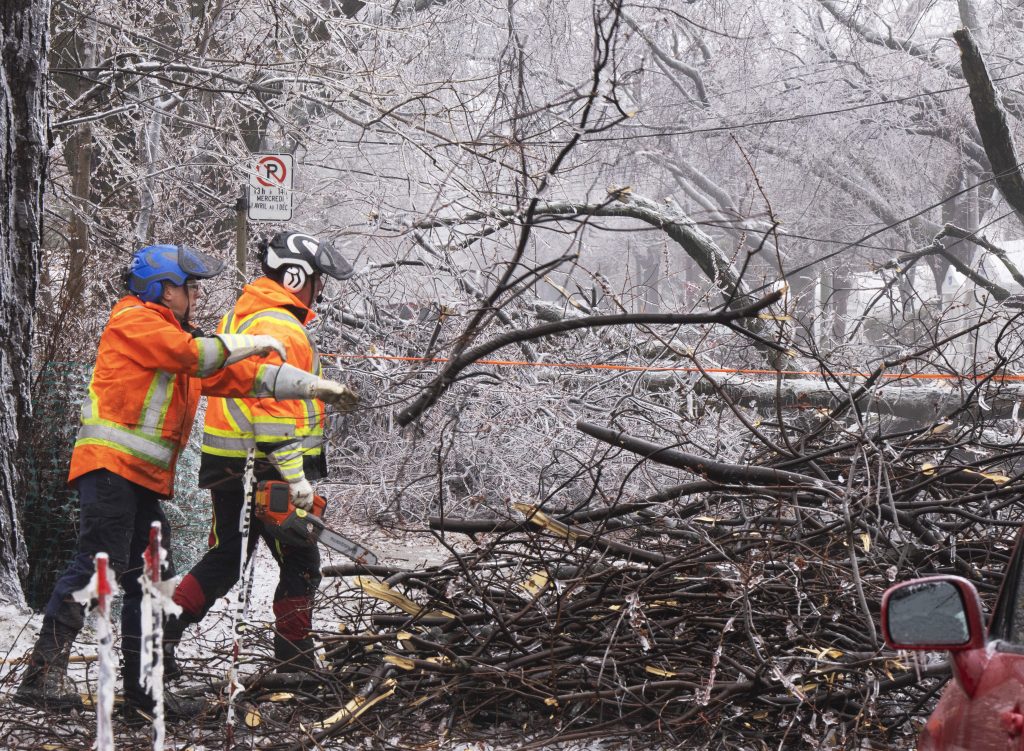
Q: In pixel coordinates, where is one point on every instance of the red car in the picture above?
(982, 708)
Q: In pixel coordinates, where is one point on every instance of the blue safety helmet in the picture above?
(168, 263)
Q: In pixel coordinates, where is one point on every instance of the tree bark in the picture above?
(708, 468)
(23, 153)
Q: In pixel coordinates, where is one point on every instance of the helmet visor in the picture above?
(331, 262)
(197, 264)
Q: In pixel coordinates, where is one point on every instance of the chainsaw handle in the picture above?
(273, 502)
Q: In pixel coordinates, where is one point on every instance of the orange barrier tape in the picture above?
(678, 369)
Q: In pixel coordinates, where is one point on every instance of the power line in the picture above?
(859, 243)
(791, 118)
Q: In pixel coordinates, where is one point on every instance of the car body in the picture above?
(982, 708)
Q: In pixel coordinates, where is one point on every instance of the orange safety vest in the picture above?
(293, 429)
(143, 395)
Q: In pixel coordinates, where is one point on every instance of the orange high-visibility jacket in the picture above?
(289, 433)
(143, 395)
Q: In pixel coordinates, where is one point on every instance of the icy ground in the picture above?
(18, 628)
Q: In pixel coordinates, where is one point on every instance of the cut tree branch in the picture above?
(705, 467)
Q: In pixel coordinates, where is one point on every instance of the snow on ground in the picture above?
(407, 550)
(19, 626)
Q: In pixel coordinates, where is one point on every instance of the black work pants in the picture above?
(115, 516)
(219, 569)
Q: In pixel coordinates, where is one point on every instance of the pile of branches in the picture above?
(739, 610)
(736, 609)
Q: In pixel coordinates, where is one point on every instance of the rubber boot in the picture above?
(136, 712)
(174, 627)
(138, 707)
(45, 684)
(294, 656)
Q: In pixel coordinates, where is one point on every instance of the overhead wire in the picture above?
(898, 222)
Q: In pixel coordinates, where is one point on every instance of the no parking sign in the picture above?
(270, 188)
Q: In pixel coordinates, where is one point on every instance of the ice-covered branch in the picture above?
(992, 122)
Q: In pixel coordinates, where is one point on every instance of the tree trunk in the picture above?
(23, 151)
(919, 406)
(647, 265)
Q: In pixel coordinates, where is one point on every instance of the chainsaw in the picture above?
(296, 526)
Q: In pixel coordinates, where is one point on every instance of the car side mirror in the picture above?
(937, 612)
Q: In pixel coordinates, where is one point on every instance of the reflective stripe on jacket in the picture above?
(287, 433)
(142, 396)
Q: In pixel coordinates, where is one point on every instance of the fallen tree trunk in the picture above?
(923, 405)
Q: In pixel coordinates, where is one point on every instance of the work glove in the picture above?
(336, 394)
(241, 346)
(301, 493)
(293, 383)
(287, 460)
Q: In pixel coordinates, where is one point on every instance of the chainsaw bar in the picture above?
(295, 526)
(345, 546)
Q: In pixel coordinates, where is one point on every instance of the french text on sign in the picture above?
(270, 188)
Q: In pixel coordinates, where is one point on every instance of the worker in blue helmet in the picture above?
(152, 266)
(151, 368)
